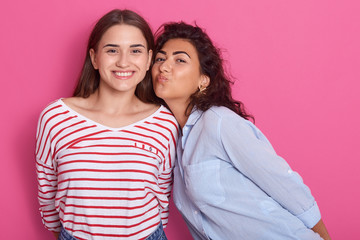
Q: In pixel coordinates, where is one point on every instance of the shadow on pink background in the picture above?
(296, 65)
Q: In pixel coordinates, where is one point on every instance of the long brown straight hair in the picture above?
(89, 78)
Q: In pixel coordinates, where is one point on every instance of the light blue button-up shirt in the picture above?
(230, 184)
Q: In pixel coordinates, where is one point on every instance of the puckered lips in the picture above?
(162, 79)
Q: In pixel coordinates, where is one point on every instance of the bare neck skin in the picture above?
(178, 109)
(113, 102)
(112, 108)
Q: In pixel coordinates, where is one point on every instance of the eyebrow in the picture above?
(116, 45)
(175, 53)
(137, 45)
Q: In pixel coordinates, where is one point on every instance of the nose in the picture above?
(165, 66)
(123, 60)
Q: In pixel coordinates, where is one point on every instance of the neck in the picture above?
(179, 111)
(114, 102)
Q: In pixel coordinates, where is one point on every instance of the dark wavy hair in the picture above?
(218, 93)
(89, 78)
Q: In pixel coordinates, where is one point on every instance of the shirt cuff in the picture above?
(311, 217)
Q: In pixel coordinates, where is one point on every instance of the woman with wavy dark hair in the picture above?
(229, 182)
(105, 156)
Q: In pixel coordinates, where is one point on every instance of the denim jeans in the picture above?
(64, 235)
(158, 234)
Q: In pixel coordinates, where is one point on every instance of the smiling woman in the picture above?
(105, 156)
(122, 58)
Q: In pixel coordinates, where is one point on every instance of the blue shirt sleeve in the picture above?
(252, 154)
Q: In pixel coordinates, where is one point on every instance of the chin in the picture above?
(158, 92)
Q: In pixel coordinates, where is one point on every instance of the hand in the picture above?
(321, 230)
(56, 234)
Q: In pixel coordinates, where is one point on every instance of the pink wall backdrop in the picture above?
(296, 65)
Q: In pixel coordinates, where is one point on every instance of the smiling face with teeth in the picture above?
(122, 58)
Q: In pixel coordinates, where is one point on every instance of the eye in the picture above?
(136, 51)
(179, 60)
(111, 51)
(159, 59)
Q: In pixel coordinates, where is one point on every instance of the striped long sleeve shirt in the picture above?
(101, 182)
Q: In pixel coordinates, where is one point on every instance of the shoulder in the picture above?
(49, 114)
(228, 121)
(54, 112)
(220, 112)
(164, 116)
(76, 103)
(222, 115)
(52, 108)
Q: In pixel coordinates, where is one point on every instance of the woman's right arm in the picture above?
(46, 174)
(47, 185)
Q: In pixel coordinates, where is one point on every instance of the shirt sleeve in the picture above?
(46, 175)
(166, 175)
(252, 154)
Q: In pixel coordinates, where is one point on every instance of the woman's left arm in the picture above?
(321, 230)
(252, 154)
(165, 179)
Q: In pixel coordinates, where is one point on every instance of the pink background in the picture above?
(296, 65)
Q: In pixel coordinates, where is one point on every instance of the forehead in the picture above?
(123, 33)
(180, 44)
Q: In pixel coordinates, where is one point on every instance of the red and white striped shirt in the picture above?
(101, 182)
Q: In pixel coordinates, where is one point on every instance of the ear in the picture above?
(93, 58)
(149, 60)
(204, 82)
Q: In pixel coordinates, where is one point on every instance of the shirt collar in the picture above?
(194, 117)
(191, 121)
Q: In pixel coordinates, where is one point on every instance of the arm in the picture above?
(321, 230)
(165, 184)
(166, 170)
(56, 235)
(47, 185)
(252, 154)
(46, 175)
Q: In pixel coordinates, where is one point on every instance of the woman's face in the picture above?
(122, 58)
(176, 72)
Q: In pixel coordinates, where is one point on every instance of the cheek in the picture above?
(191, 88)
(154, 70)
(142, 64)
(103, 62)
(188, 81)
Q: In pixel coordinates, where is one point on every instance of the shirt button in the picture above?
(196, 212)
